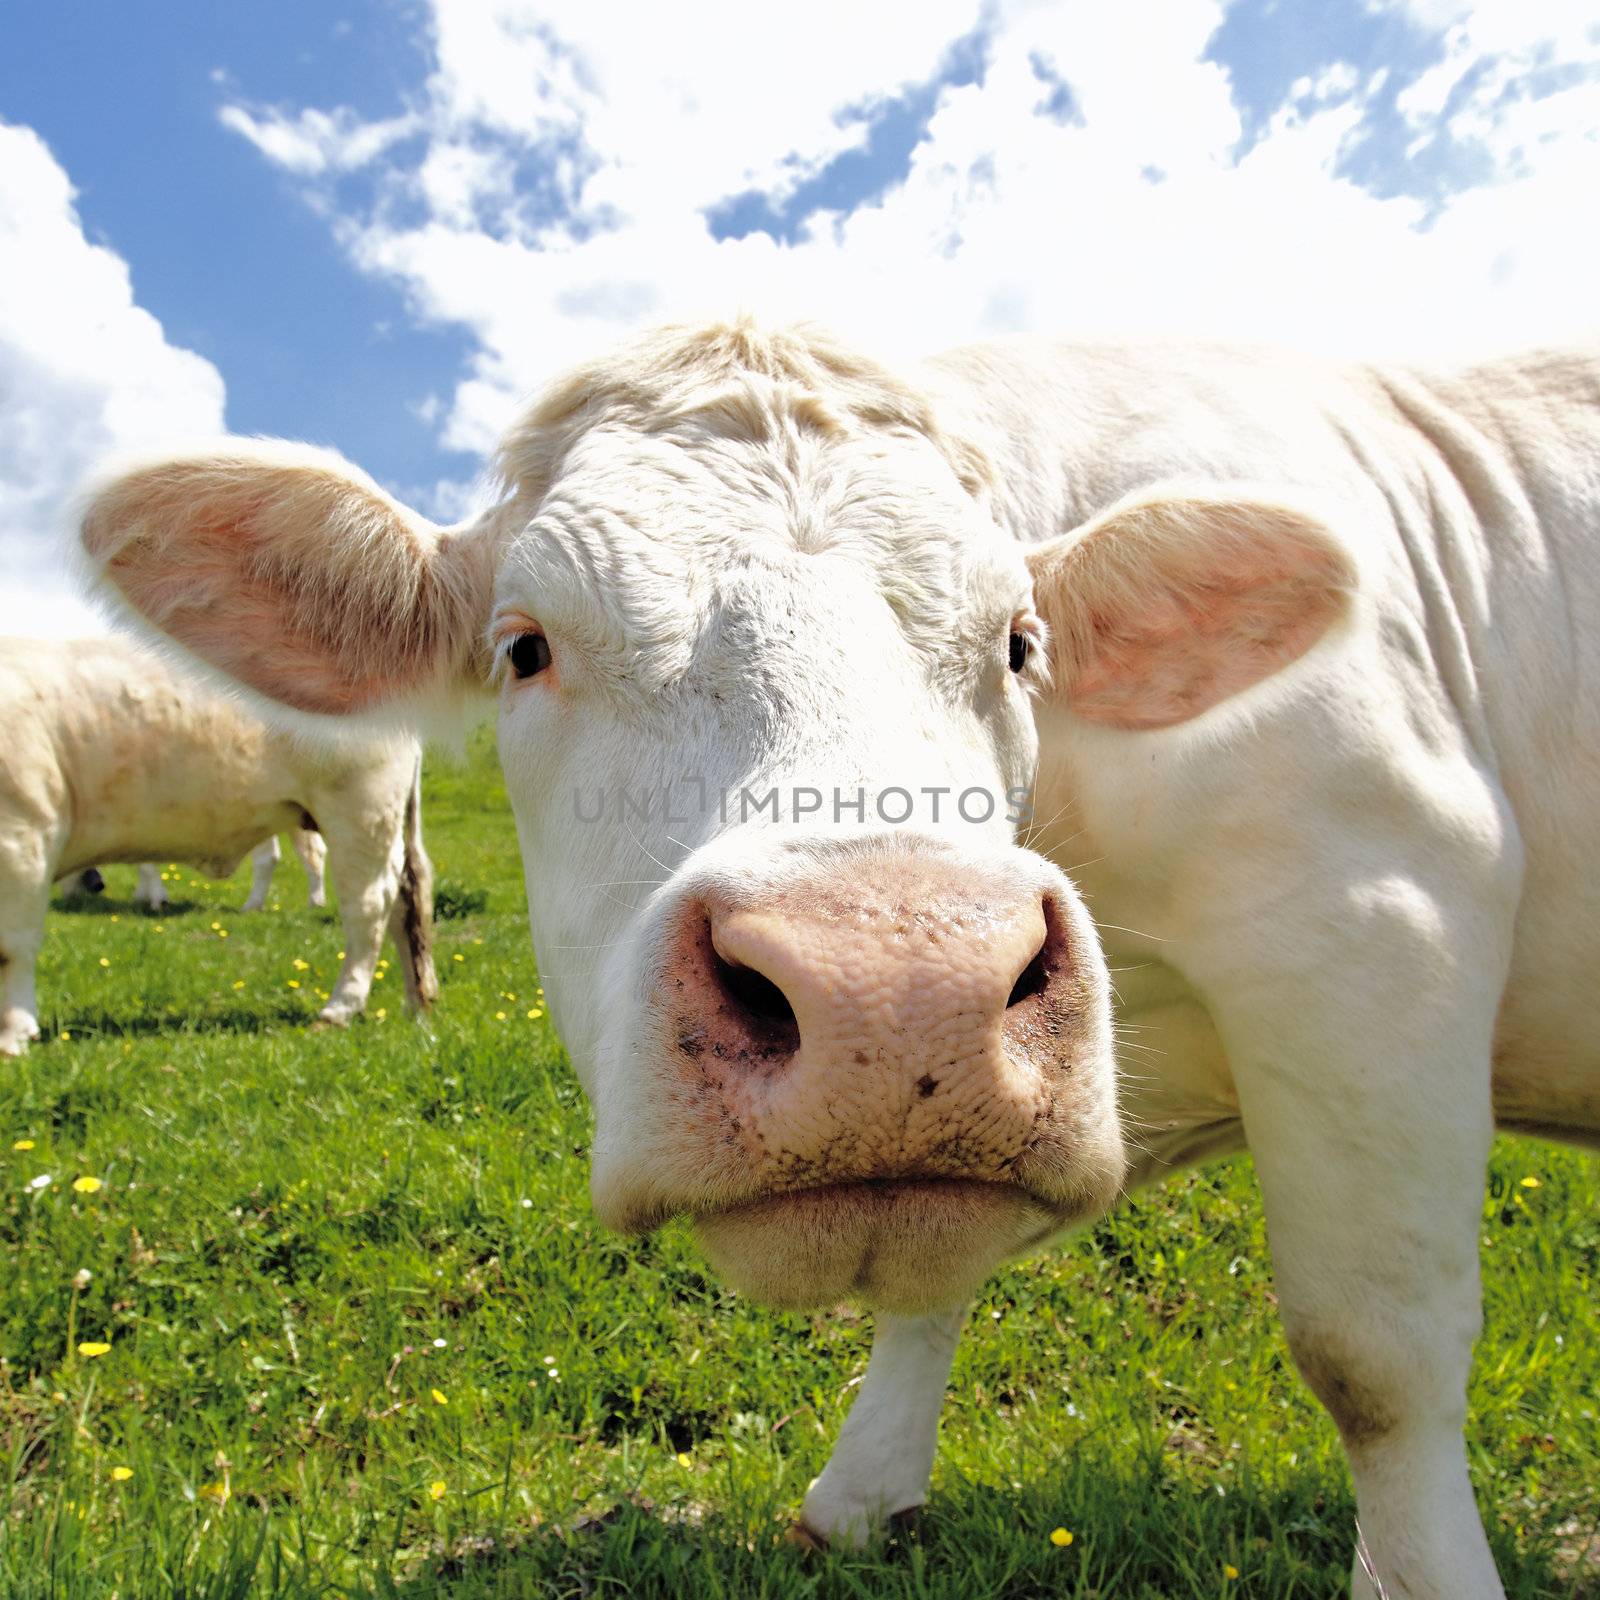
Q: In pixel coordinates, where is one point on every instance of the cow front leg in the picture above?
(24, 898)
(366, 878)
(884, 1457)
(1368, 1113)
(264, 861)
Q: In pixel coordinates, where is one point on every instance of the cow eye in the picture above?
(1021, 644)
(529, 654)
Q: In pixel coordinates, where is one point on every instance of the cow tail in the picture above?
(412, 923)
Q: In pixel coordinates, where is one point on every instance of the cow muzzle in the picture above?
(886, 1067)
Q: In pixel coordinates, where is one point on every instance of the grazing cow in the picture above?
(150, 888)
(112, 757)
(1303, 664)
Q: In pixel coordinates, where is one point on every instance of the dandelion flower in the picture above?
(239, 983)
(440, 1398)
(381, 1013)
(683, 1458)
(121, 1474)
(294, 983)
(104, 962)
(1531, 1182)
(215, 926)
(87, 1185)
(1061, 1537)
(458, 956)
(23, 1144)
(436, 1489)
(1229, 1571)
(499, 1016)
(93, 1347)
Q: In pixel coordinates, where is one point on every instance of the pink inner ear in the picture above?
(213, 605)
(1191, 641)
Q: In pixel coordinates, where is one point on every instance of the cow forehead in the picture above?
(645, 541)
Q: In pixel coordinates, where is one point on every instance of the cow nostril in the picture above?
(760, 1001)
(1032, 979)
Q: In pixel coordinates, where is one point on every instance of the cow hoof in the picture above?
(331, 1019)
(804, 1538)
(14, 1041)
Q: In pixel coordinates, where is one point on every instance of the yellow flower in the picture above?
(93, 1347)
(499, 1016)
(222, 933)
(536, 1013)
(104, 962)
(294, 983)
(215, 926)
(66, 1033)
(86, 1184)
(683, 1458)
(121, 1474)
(239, 983)
(23, 1144)
(381, 1013)
(1061, 1537)
(1531, 1183)
(436, 1489)
(440, 1398)
(215, 1491)
(299, 965)
(1229, 1571)
(458, 956)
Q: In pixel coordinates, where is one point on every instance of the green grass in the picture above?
(290, 1222)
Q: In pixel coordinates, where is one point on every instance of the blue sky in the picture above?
(377, 224)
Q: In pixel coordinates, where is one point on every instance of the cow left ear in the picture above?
(1171, 603)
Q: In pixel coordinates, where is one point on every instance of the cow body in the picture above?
(113, 757)
(1319, 753)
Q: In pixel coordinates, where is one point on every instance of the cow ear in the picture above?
(1171, 603)
(292, 573)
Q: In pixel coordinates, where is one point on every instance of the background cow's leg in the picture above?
(411, 922)
(364, 864)
(313, 855)
(150, 889)
(264, 861)
(1367, 1105)
(884, 1456)
(24, 897)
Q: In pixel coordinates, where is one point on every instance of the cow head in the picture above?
(764, 668)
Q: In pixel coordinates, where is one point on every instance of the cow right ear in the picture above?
(294, 574)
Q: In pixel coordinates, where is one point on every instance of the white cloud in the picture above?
(572, 152)
(83, 371)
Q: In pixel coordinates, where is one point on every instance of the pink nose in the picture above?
(902, 1018)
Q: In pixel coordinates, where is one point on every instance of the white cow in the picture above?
(1304, 661)
(150, 888)
(110, 756)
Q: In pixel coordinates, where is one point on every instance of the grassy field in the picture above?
(300, 1313)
